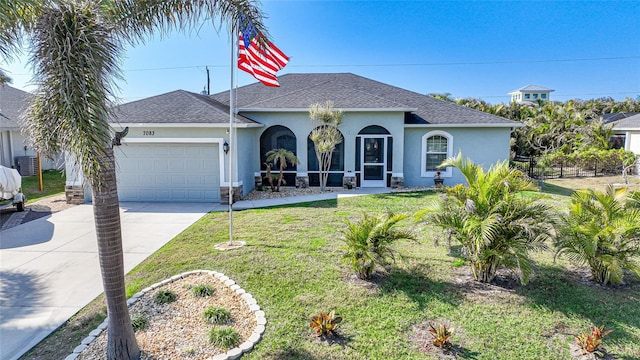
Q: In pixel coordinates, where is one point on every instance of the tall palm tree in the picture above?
(75, 47)
(282, 157)
(602, 230)
(493, 222)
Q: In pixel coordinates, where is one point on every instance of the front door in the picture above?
(374, 161)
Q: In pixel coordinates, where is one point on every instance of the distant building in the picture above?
(530, 94)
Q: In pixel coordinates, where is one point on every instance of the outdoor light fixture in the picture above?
(225, 147)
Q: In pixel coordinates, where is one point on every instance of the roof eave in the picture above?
(496, 125)
(187, 125)
(239, 110)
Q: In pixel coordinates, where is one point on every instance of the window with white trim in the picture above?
(436, 147)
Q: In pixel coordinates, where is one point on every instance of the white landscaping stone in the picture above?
(254, 338)
(73, 356)
(251, 301)
(234, 287)
(95, 332)
(240, 291)
(254, 307)
(261, 320)
(87, 340)
(146, 290)
(260, 313)
(259, 329)
(234, 354)
(229, 282)
(220, 275)
(246, 346)
(223, 278)
(104, 325)
(79, 348)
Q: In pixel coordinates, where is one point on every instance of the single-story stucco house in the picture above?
(14, 151)
(174, 150)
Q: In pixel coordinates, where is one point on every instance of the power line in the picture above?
(492, 62)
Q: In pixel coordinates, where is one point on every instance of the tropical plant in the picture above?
(202, 290)
(368, 241)
(217, 315)
(269, 177)
(603, 232)
(165, 296)
(139, 322)
(325, 324)
(591, 342)
(281, 157)
(493, 221)
(325, 136)
(75, 49)
(224, 338)
(441, 335)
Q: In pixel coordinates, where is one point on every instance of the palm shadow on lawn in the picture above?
(571, 293)
(417, 286)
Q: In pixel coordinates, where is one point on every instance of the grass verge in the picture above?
(53, 183)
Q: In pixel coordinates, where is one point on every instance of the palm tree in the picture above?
(325, 136)
(496, 224)
(75, 47)
(368, 242)
(281, 157)
(602, 230)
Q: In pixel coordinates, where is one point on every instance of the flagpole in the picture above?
(231, 139)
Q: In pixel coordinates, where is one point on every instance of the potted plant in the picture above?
(438, 180)
(349, 185)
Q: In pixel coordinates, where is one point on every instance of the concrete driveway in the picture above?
(49, 267)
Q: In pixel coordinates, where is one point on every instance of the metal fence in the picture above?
(531, 167)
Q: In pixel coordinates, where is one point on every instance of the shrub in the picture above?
(202, 290)
(441, 335)
(139, 322)
(217, 316)
(495, 224)
(589, 343)
(165, 297)
(368, 242)
(325, 324)
(602, 231)
(224, 338)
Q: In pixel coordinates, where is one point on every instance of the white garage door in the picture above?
(168, 172)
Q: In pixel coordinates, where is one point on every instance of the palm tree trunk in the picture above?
(121, 341)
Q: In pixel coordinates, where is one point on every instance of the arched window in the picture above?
(336, 171)
(436, 147)
(278, 137)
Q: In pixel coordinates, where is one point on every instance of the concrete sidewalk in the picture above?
(49, 267)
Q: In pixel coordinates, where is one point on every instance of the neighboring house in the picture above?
(627, 132)
(14, 151)
(530, 94)
(609, 118)
(174, 150)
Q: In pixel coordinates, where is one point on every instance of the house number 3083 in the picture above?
(148, 132)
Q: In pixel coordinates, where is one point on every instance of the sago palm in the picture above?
(368, 242)
(493, 221)
(75, 48)
(603, 232)
(281, 157)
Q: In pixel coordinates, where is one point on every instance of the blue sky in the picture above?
(480, 49)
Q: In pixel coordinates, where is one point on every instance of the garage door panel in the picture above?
(168, 172)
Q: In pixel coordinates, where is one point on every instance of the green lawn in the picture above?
(291, 266)
(53, 183)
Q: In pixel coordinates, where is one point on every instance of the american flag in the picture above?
(259, 57)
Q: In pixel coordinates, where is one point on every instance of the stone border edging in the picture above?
(231, 354)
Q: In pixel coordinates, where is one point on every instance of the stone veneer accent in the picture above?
(224, 194)
(397, 182)
(231, 354)
(74, 194)
(302, 182)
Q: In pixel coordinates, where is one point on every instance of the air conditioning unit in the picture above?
(27, 165)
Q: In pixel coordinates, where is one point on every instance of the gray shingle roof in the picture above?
(532, 88)
(349, 91)
(176, 107)
(12, 102)
(631, 122)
